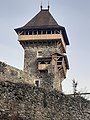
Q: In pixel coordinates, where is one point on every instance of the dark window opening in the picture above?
(48, 32)
(48, 62)
(30, 32)
(31, 42)
(60, 59)
(52, 31)
(35, 32)
(49, 42)
(44, 42)
(57, 32)
(59, 63)
(42, 62)
(44, 32)
(37, 83)
(44, 72)
(26, 32)
(40, 42)
(39, 53)
(39, 32)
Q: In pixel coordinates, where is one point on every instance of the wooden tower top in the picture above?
(43, 21)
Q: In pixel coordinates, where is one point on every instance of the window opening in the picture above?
(26, 32)
(42, 62)
(48, 62)
(30, 32)
(44, 32)
(39, 32)
(59, 63)
(57, 32)
(60, 59)
(37, 83)
(52, 31)
(48, 32)
(35, 32)
(39, 54)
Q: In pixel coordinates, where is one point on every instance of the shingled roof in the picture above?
(43, 18)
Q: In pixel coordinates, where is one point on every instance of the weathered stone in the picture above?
(19, 101)
(10, 73)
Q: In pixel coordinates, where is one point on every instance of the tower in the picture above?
(44, 43)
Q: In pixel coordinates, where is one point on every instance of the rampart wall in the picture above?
(20, 101)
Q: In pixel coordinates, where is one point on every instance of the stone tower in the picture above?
(44, 43)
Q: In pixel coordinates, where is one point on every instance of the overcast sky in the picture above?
(74, 15)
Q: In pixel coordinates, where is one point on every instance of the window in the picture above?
(26, 32)
(57, 32)
(52, 31)
(37, 83)
(44, 32)
(39, 31)
(39, 54)
(49, 32)
(35, 32)
(30, 32)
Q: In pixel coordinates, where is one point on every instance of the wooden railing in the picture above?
(39, 37)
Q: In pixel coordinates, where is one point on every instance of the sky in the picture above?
(74, 15)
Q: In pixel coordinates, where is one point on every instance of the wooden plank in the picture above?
(39, 37)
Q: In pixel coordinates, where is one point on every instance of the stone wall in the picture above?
(10, 73)
(20, 101)
(31, 66)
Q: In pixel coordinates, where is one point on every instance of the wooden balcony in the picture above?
(42, 67)
(39, 37)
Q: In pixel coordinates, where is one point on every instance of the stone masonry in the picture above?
(25, 102)
(10, 73)
(31, 64)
